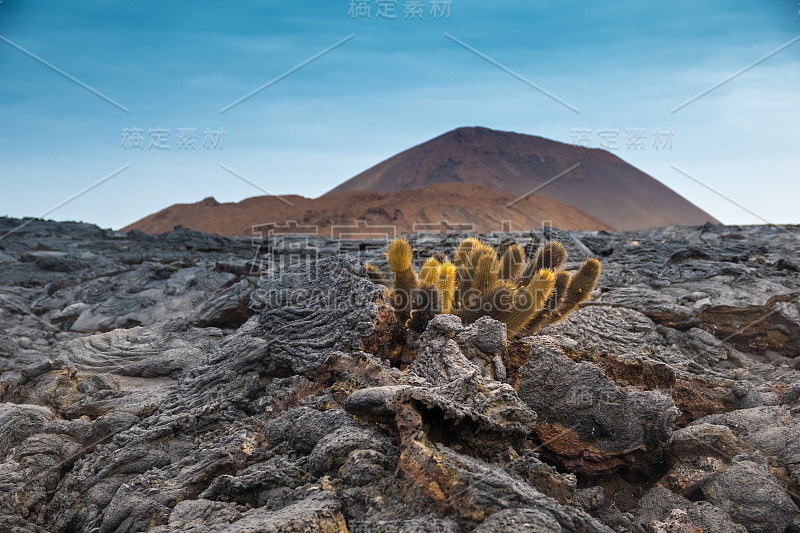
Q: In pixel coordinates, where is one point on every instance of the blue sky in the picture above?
(624, 64)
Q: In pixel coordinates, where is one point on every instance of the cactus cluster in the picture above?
(526, 295)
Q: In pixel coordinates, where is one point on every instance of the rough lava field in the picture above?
(190, 382)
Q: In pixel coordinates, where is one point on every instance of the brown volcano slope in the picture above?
(603, 185)
(454, 203)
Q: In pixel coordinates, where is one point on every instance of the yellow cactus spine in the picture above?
(467, 259)
(541, 286)
(446, 285)
(500, 299)
(374, 273)
(528, 300)
(512, 262)
(467, 274)
(399, 255)
(580, 289)
(406, 281)
(550, 255)
(520, 312)
(584, 281)
(464, 249)
(560, 290)
(525, 296)
(430, 271)
(405, 278)
(462, 255)
(546, 314)
(486, 270)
